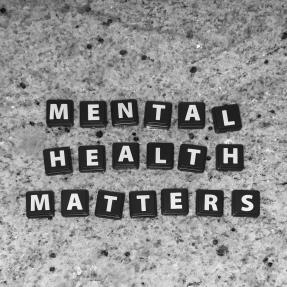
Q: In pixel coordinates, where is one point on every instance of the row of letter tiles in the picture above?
(75, 203)
(192, 158)
(157, 115)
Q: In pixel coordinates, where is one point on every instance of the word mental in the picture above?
(157, 115)
(75, 203)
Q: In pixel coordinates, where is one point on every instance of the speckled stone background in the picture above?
(107, 50)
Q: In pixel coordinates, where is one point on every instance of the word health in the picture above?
(191, 158)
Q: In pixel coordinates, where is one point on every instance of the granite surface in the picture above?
(85, 50)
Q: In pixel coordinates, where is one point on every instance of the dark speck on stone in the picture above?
(193, 69)
(284, 36)
(272, 112)
(265, 259)
(88, 8)
(123, 52)
(99, 134)
(100, 40)
(266, 62)
(233, 229)
(258, 116)
(206, 138)
(136, 139)
(210, 128)
(52, 269)
(270, 264)
(222, 250)
(215, 242)
(189, 34)
(89, 46)
(104, 252)
(144, 57)
(37, 103)
(67, 130)
(108, 22)
(191, 136)
(127, 254)
(3, 10)
(22, 85)
(31, 123)
(52, 255)
(208, 158)
(134, 133)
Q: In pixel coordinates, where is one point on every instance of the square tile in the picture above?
(209, 202)
(245, 203)
(226, 118)
(58, 161)
(229, 157)
(192, 158)
(40, 204)
(92, 158)
(174, 201)
(157, 115)
(93, 114)
(191, 115)
(110, 204)
(126, 155)
(75, 203)
(160, 155)
(60, 113)
(124, 112)
(143, 204)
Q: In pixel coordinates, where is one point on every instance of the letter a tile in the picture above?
(74, 203)
(126, 155)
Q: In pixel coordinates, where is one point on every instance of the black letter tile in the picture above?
(126, 155)
(226, 118)
(209, 202)
(92, 158)
(60, 113)
(157, 115)
(174, 201)
(245, 203)
(160, 155)
(191, 115)
(58, 161)
(110, 204)
(192, 158)
(40, 204)
(74, 203)
(143, 204)
(229, 157)
(124, 112)
(93, 114)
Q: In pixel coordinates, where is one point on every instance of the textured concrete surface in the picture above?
(239, 50)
